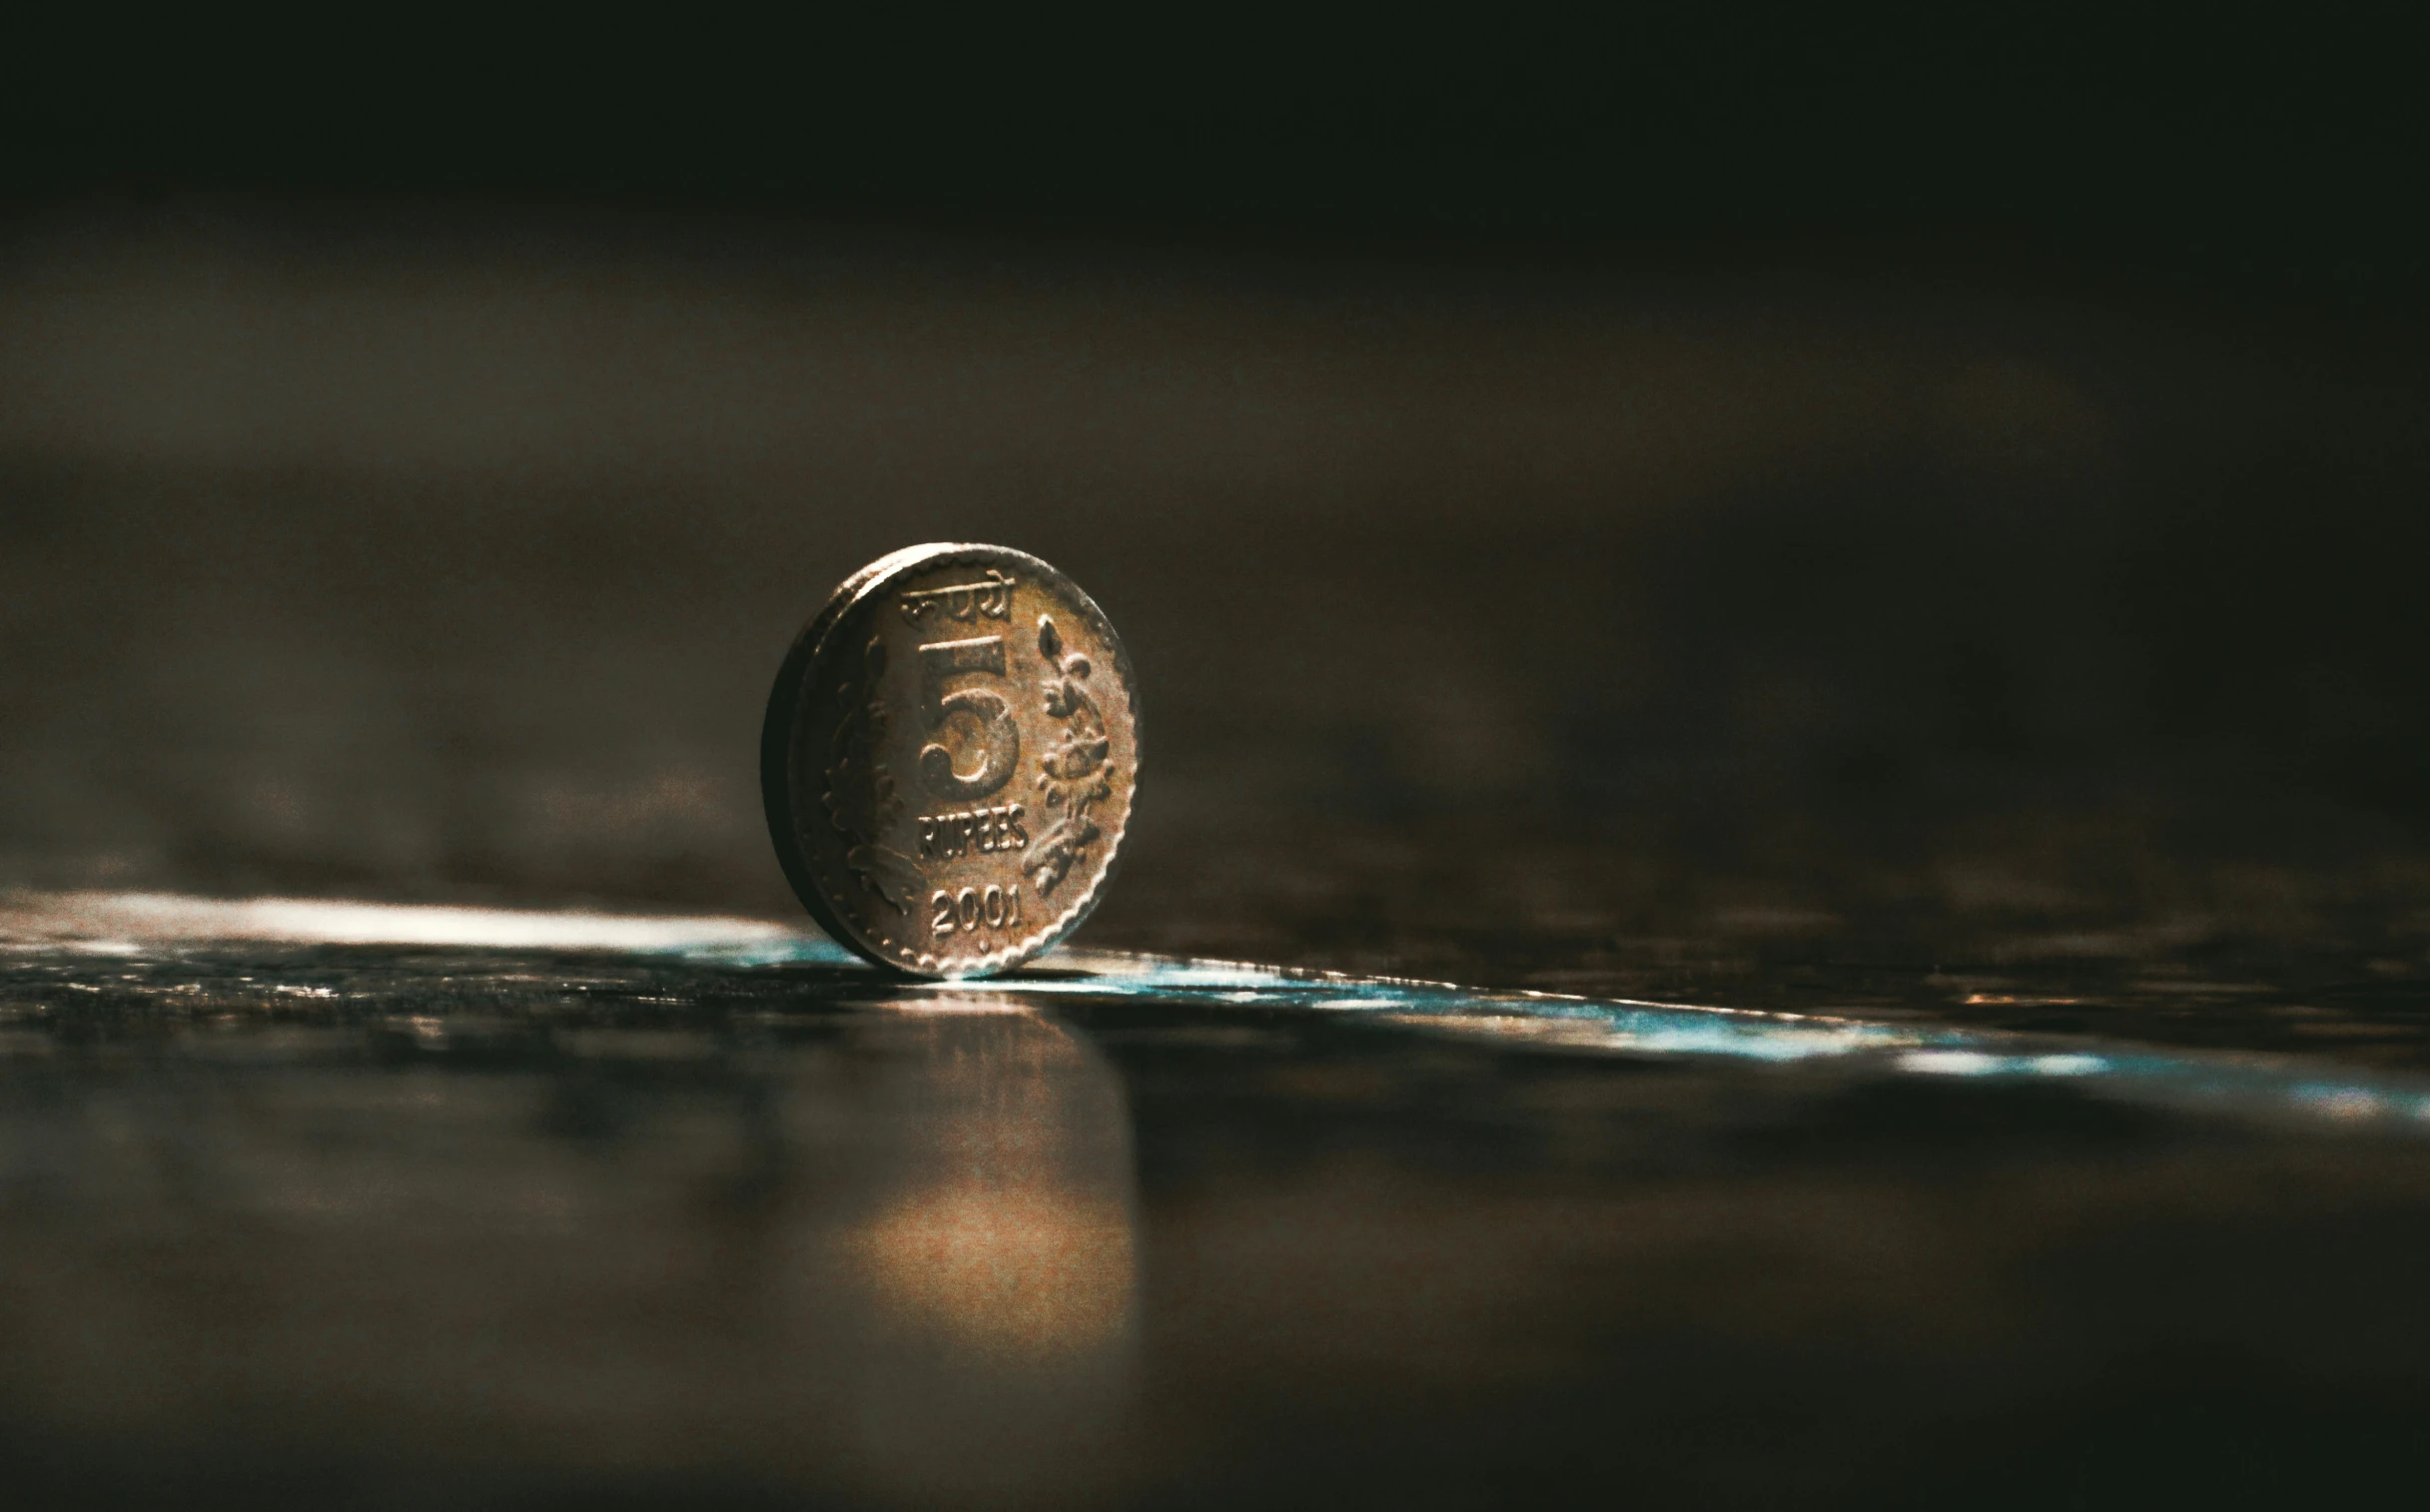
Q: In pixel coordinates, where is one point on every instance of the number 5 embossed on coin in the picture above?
(949, 759)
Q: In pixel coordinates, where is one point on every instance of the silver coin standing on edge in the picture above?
(949, 759)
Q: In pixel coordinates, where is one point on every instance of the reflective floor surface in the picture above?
(351, 1206)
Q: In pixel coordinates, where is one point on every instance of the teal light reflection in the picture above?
(2249, 1086)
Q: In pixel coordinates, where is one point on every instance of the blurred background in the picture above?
(1565, 475)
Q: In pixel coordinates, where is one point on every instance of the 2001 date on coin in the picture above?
(949, 759)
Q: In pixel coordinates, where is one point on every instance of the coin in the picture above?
(949, 759)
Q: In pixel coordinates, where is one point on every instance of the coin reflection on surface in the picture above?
(1011, 1234)
(998, 1253)
(1020, 1270)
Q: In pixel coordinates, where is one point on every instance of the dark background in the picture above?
(1816, 511)
(1562, 473)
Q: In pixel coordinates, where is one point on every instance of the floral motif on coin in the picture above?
(1071, 774)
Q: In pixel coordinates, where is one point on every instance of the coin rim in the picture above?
(808, 655)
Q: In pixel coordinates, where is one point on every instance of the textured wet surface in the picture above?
(526, 1210)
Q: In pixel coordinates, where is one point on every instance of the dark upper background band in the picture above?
(2250, 156)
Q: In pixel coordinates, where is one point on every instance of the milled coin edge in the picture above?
(775, 733)
(808, 654)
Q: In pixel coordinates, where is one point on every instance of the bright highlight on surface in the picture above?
(108, 923)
